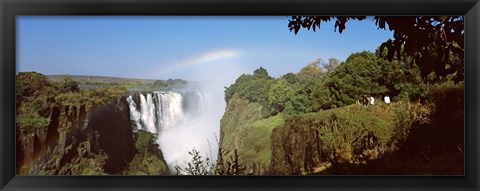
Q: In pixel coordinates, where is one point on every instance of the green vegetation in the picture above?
(197, 166)
(299, 123)
(28, 83)
(435, 43)
(351, 134)
(50, 115)
(36, 96)
(224, 165)
(312, 70)
(149, 159)
(169, 84)
(245, 131)
(312, 90)
(230, 166)
(93, 165)
(325, 132)
(254, 88)
(294, 94)
(318, 128)
(101, 82)
(24, 120)
(397, 138)
(70, 86)
(258, 140)
(359, 75)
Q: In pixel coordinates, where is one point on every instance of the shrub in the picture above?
(29, 82)
(197, 166)
(70, 86)
(92, 165)
(149, 159)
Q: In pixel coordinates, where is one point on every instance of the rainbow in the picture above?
(200, 59)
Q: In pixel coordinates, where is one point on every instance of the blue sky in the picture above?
(191, 48)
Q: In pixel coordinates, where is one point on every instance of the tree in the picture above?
(332, 64)
(27, 83)
(253, 88)
(261, 73)
(312, 70)
(295, 94)
(70, 86)
(290, 77)
(33, 85)
(402, 78)
(304, 98)
(361, 74)
(280, 94)
(430, 40)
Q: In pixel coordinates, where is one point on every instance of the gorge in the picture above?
(134, 130)
(182, 120)
(111, 130)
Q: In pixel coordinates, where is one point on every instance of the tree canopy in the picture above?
(435, 42)
(359, 75)
(313, 70)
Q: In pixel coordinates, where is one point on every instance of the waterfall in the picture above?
(170, 110)
(182, 121)
(156, 112)
(134, 114)
(147, 113)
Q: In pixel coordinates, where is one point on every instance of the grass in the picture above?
(269, 123)
(244, 129)
(258, 142)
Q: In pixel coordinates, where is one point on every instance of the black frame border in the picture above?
(9, 9)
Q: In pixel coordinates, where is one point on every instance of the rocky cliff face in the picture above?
(64, 130)
(295, 148)
(241, 131)
(107, 129)
(73, 132)
(307, 143)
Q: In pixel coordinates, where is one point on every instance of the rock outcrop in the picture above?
(241, 130)
(74, 133)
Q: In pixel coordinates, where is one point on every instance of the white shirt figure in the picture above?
(387, 99)
(372, 101)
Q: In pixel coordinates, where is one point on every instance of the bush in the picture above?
(197, 166)
(147, 164)
(149, 159)
(92, 165)
(29, 82)
(228, 167)
(204, 166)
(70, 86)
(347, 135)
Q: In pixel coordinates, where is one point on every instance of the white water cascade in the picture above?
(181, 121)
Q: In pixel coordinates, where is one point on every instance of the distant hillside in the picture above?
(98, 79)
(132, 84)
